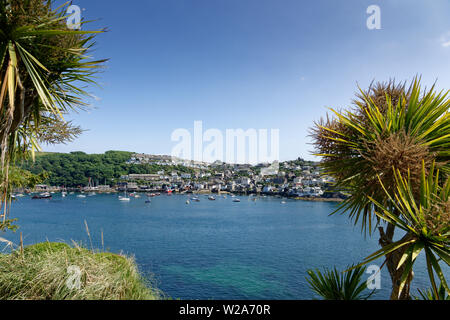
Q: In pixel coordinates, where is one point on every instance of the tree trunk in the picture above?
(392, 260)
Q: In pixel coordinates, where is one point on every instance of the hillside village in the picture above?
(149, 173)
(297, 178)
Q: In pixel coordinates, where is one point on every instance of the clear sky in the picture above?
(259, 64)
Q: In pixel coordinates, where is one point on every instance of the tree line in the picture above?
(74, 169)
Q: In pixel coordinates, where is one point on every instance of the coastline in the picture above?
(319, 199)
(200, 192)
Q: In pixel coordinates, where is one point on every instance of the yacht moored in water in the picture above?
(125, 198)
(44, 195)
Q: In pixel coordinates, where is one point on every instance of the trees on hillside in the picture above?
(75, 168)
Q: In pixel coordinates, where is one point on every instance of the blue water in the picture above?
(210, 249)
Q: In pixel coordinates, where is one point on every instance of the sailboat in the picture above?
(91, 188)
(124, 198)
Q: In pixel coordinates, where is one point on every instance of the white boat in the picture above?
(124, 198)
(236, 200)
(81, 196)
(188, 202)
(63, 194)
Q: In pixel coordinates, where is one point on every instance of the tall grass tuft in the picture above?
(45, 272)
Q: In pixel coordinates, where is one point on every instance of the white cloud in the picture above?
(445, 40)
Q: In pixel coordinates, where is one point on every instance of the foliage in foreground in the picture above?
(40, 272)
(390, 126)
(431, 295)
(335, 285)
(45, 69)
(425, 220)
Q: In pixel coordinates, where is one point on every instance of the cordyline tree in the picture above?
(44, 69)
(391, 153)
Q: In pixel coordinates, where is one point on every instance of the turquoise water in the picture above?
(210, 249)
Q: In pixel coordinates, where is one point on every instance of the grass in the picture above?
(43, 272)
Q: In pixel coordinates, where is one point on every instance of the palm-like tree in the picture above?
(44, 68)
(335, 285)
(431, 294)
(390, 126)
(426, 222)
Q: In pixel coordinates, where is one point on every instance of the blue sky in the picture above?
(259, 64)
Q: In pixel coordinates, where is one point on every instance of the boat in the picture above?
(44, 195)
(148, 201)
(63, 194)
(236, 200)
(195, 199)
(211, 198)
(153, 194)
(81, 196)
(188, 202)
(124, 198)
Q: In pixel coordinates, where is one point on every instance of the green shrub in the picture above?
(41, 272)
